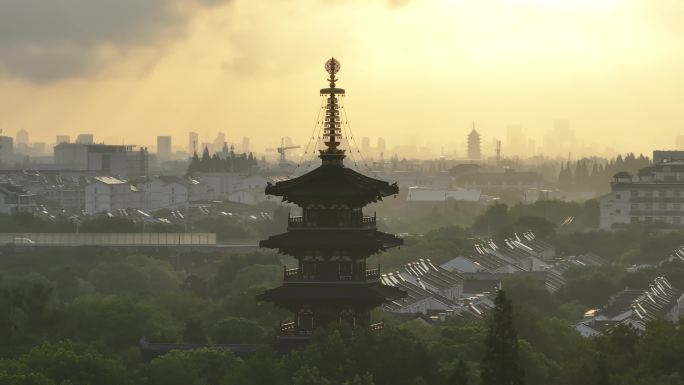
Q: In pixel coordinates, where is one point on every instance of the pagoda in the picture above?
(332, 239)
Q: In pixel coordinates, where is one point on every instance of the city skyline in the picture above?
(607, 67)
(558, 142)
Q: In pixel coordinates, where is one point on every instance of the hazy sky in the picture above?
(414, 70)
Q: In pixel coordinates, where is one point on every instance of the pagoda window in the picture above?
(308, 270)
(305, 320)
(343, 217)
(349, 316)
(346, 270)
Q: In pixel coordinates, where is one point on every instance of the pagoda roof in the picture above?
(369, 293)
(332, 183)
(359, 242)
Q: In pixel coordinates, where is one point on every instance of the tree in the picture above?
(460, 374)
(500, 364)
(236, 330)
(194, 332)
(66, 362)
(201, 366)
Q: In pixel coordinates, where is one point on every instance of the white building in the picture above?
(656, 195)
(427, 194)
(172, 192)
(234, 187)
(108, 194)
(15, 199)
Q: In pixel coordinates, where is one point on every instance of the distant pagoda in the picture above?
(474, 144)
(332, 239)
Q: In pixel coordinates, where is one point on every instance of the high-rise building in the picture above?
(516, 142)
(218, 142)
(39, 148)
(560, 140)
(85, 139)
(365, 146)
(164, 147)
(382, 145)
(193, 142)
(62, 139)
(22, 138)
(6, 148)
(246, 145)
(331, 241)
(474, 145)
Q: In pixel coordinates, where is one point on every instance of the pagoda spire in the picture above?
(332, 128)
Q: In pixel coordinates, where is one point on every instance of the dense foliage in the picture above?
(228, 161)
(594, 175)
(81, 333)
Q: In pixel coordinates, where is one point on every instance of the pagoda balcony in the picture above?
(377, 327)
(365, 221)
(295, 274)
(288, 329)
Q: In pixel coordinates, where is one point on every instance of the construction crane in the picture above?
(283, 148)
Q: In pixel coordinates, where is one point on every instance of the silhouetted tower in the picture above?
(331, 240)
(474, 144)
(498, 152)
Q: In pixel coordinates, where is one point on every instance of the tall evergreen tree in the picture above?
(194, 163)
(206, 158)
(500, 363)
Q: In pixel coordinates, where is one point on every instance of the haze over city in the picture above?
(417, 72)
(341, 192)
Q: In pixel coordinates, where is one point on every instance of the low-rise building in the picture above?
(507, 180)
(522, 252)
(124, 161)
(634, 308)
(427, 194)
(106, 194)
(171, 192)
(15, 199)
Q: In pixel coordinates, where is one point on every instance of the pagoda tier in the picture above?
(364, 295)
(331, 240)
(332, 183)
(329, 243)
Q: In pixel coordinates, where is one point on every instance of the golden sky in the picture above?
(416, 71)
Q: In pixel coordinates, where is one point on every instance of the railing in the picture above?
(287, 328)
(373, 273)
(295, 275)
(295, 220)
(290, 274)
(376, 327)
(364, 221)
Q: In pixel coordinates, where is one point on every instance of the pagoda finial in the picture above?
(332, 66)
(333, 124)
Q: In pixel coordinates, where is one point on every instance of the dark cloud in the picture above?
(47, 40)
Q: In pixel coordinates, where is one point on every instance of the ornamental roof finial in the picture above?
(332, 128)
(332, 66)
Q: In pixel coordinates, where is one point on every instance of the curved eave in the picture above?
(362, 242)
(332, 183)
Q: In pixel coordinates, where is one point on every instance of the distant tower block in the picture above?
(474, 144)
